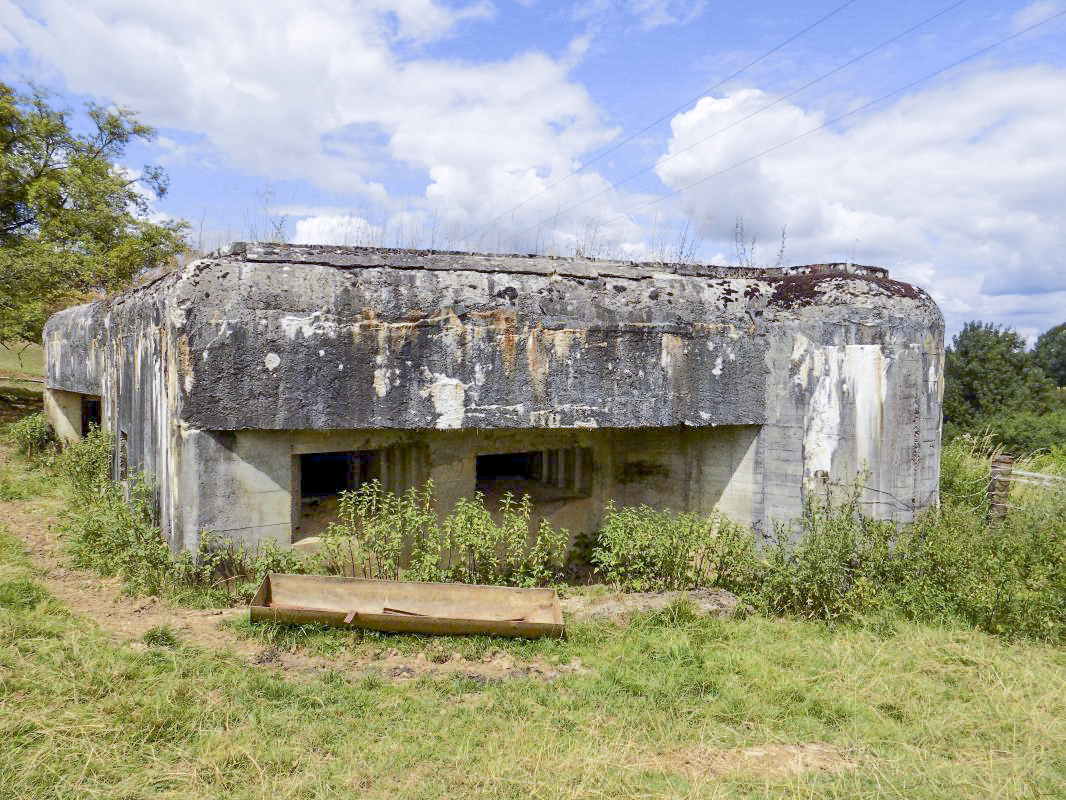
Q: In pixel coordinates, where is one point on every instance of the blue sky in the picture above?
(520, 126)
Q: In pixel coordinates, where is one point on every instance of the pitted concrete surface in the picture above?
(786, 378)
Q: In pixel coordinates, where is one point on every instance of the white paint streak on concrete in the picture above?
(800, 360)
(561, 344)
(271, 361)
(520, 408)
(865, 373)
(449, 401)
(717, 367)
(821, 433)
(317, 324)
(669, 352)
(381, 382)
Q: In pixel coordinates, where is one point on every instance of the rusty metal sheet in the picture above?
(408, 607)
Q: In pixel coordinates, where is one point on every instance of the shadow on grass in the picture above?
(19, 399)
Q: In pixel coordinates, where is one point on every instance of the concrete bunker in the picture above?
(258, 383)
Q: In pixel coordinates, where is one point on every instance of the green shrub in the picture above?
(1026, 432)
(233, 568)
(647, 549)
(834, 563)
(386, 535)
(32, 435)
(86, 464)
(113, 534)
(1005, 578)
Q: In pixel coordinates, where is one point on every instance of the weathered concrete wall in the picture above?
(486, 343)
(63, 410)
(120, 351)
(694, 387)
(245, 486)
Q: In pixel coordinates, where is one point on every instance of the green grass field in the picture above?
(672, 705)
(22, 360)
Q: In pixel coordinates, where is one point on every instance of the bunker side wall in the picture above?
(120, 352)
(849, 400)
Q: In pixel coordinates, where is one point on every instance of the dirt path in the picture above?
(126, 619)
(101, 599)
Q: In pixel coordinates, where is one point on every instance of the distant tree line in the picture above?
(992, 382)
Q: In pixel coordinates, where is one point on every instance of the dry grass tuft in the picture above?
(773, 760)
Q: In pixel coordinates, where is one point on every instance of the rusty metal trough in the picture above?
(407, 607)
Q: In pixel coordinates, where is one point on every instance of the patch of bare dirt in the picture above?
(765, 761)
(101, 599)
(492, 668)
(620, 606)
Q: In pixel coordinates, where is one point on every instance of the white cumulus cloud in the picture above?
(961, 186)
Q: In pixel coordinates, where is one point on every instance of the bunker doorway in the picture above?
(91, 416)
(319, 479)
(547, 476)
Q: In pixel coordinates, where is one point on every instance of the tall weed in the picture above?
(836, 565)
(32, 435)
(646, 549)
(386, 535)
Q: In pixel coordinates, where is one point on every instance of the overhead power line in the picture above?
(863, 107)
(755, 113)
(663, 118)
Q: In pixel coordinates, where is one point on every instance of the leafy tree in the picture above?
(987, 374)
(71, 219)
(1050, 353)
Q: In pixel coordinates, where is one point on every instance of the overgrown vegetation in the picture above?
(32, 435)
(924, 709)
(661, 708)
(111, 530)
(953, 564)
(646, 549)
(382, 534)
